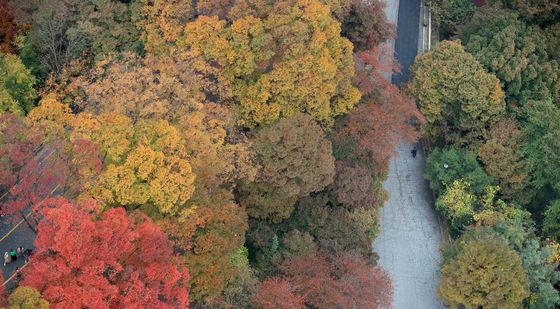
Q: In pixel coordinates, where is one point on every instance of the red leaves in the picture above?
(103, 260)
(276, 293)
(345, 281)
(385, 118)
(8, 27)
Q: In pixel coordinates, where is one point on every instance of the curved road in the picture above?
(410, 237)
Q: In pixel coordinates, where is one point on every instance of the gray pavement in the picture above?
(410, 238)
(411, 235)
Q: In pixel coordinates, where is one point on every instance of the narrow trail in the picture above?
(410, 237)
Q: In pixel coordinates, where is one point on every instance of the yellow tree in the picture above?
(483, 273)
(50, 117)
(151, 87)
(161, 22)
(154, 172)
(292, 59)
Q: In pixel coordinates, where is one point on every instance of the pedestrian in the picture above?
(27, 253)
(7, 258)
(414, 152)
(18, 274)
(13, 254)
(19, 251)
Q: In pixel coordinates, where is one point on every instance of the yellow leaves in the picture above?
(51, 116)
(162, 23)
(112, 132)
(292, 60)
(148, 161)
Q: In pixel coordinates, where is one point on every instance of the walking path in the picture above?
(410, 237)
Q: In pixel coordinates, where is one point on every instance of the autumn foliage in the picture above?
(111, 259)
(345, 281)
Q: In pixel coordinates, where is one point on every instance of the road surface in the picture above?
(406, 44)
(410, 237)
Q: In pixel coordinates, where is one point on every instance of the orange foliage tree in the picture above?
(8, 27)
(86, 258)
(384, 118)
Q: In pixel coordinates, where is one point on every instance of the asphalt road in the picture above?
(406, 44)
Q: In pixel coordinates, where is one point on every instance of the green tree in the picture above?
(457, 205)
(443, 166)
(458, 98)
(536, 259)
(551, 222)
(449, 15)
(483, 272)
(542, 148)
(296, 160)
(17, 94)
(25, 297)
(515, 53)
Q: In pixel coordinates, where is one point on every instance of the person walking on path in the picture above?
(19, 251)
(7, 258)
(27, 253)
(13, 255)
(413, 152)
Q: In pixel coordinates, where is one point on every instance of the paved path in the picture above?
(410, 237)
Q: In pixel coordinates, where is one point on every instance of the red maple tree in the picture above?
(277, 293)
(91, 259)
(340, 281)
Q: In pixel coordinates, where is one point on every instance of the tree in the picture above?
(443, 166)
(162, 22)
(542, 149)
(51, 34)
(296, 160)
(25, 297)
(456, 96)
(111, 131)
(107, 27)
(503, 161)
(277, 293)
(552, 34)
(365, 24)
(17, 144)
(540, 12)
(485, 272)
(449, 15)
(353, 185)
(457, 205)
(332, 227)
(551, 226)
(515, 53)
(8, 27)
(17, 94)
(125, 260)
(344, 281)
(372, 130)
(537, 259)
(155, 172)
(291, 59)
(148, 88)
(50, 117)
